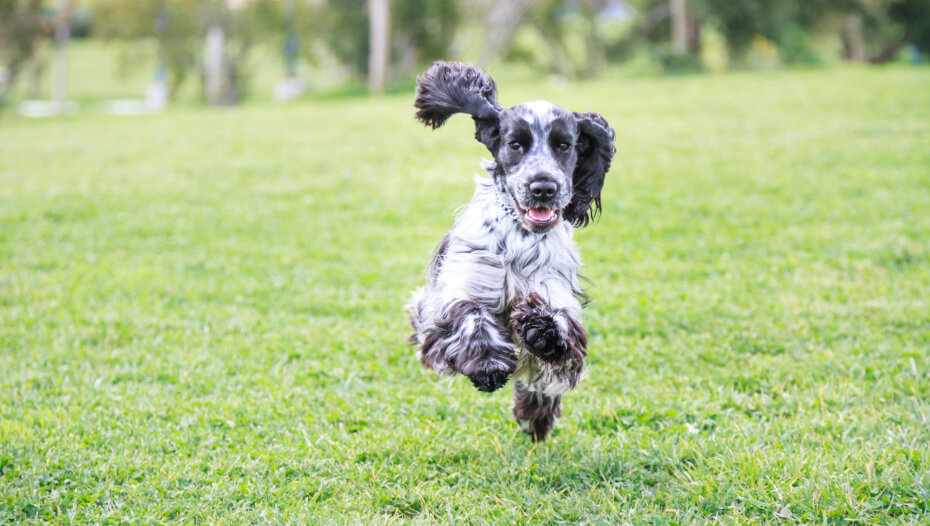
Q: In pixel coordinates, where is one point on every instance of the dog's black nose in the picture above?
(544, 190)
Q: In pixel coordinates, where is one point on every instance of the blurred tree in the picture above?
(61, 26)
(595, 50)
(22, 26)
(786, 23)
(669, 29)
(180, 29)
(571, 34)
(424, 32)
(172, 24)
(345, 31)
(421, 31)
(501, 20)
(679, 15)
(548, 17)
(914, 15)
(875, 30)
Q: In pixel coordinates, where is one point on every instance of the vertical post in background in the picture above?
(379, 20)
(214, 59)
(679, 15)
(62, 35)
(291, 43)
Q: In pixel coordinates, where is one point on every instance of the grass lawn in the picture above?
(200, 314)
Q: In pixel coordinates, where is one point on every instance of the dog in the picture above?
(502, 298)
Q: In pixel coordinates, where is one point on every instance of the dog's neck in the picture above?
(503, 196)
(505, 201)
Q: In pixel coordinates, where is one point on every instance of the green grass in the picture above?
(200, 314)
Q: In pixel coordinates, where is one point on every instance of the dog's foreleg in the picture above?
(556, 344)
(553, 334)
(465, 337)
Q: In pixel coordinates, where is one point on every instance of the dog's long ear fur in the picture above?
(453, 87)
(595, 151)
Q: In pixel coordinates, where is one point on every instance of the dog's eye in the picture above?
(564, 146)
(515, 145)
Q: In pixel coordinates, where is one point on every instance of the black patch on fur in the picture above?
(448, 88)
(490, 381)
(595, 151)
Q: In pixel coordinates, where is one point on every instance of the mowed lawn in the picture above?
(201, 314)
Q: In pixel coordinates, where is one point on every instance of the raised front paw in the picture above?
(534, 322)
(542, 338)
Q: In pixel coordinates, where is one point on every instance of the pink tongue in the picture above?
(540, 214)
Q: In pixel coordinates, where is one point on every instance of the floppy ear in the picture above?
(453, 87)
(595, 151)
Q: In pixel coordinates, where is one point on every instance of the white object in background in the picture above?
(214, 65)
(289, 88)
(156, 96)
(46, 108)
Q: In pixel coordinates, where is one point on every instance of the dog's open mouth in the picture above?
(540, 219)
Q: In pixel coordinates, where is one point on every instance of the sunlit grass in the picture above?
(200, 314)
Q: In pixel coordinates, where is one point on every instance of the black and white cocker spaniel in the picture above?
(502, 297)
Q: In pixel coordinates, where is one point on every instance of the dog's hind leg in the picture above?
(535, 411)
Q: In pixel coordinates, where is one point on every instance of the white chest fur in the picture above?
(503, 253)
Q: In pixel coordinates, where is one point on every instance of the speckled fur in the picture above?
(502, 298)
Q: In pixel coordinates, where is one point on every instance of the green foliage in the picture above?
(346, 33)
(22, 25)
(176, 26)
(568, 38)
(426, 27)
(914, 15)
(430, 24)
(340, 28)
(790, 24)
(200, 314)
(676, 62)
(179, 26)
(740, 22)
(794, 46)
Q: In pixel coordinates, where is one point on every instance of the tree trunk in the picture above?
(854, 39)
(12, 72)
(380, 27)
(694, 35)
(679, 13)
(888, 53)
(215, 65)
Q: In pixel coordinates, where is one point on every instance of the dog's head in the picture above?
(550, 161)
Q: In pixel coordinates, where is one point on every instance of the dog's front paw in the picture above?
(541, 336)
(490, 381)
(534, 323)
